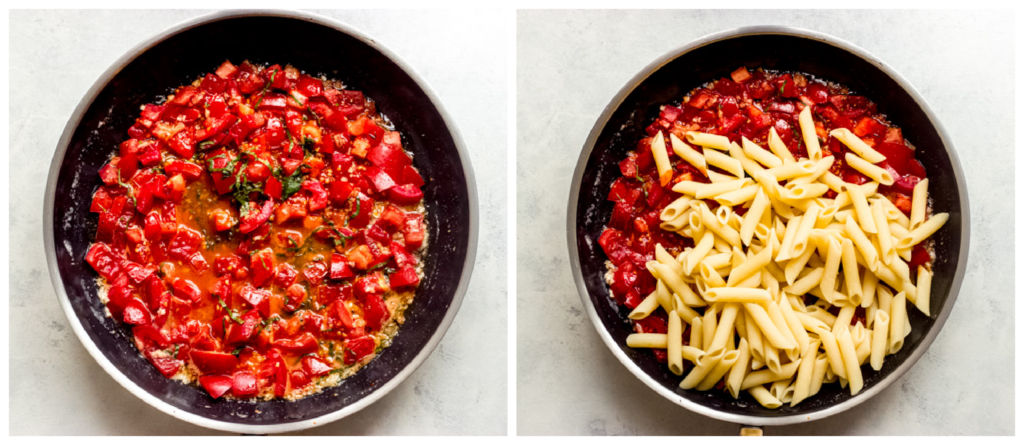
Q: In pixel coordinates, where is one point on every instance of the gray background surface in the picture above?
(571, 63)
(57, 388)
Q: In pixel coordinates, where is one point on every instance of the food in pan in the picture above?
(261, 232)
(768, 236)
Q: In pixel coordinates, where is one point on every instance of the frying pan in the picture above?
(666, 80)
(316, 45)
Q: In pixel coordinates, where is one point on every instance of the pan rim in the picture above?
(588, 148)
(69, 311)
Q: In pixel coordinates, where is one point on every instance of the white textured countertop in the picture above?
(571, 63)
(55, 385)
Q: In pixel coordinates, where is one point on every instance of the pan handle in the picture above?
(749, 430)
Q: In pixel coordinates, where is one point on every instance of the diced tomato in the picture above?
(244, 384)
(919, 256)
(390, 158)
(358, 348)
(186, 288)
(285, 276)
(213, 362)
(315, 271)
(262, 264)
(136, 313)
(273, 188)
(242, 332)
(255, 218)
(411, 176)
(413, 231)
(150, 335)
(898, 156)
(103, 261)
(166, 365)
(257, 172)
(317, 195)
(405, 194)
(303, 344)
(216, 385)
(296, 295)
(375, 311)
(341, 191)
(185, 243)
(404, 277)
(339, 267)
(315, 366)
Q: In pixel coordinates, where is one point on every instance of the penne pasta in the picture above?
(778, 147)
(661, 162)
(655, 341)
(861, 208)
(851, 273)
(739, 370)
(924, 288)
(870, 170)
(724, 162)
(809, 134)
(707, 140)
(764, 397)
(897, 317)
(762, 156)
(715, 375)
(698, 373)
(879, 339)
(645, 308)
(688, 154)
(850, 361)
(923, 231)
(856, 145)
(674, 343)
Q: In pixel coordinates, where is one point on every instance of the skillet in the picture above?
(316, 45)
(666, 80)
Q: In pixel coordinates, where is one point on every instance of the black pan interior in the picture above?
(716, 60)
(315, 49)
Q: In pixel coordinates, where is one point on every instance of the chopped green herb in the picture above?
(356, 214)
(237, 351)
(128, 187)
(265, 88)
(231, 313)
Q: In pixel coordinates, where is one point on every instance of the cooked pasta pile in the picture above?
(750, 269)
